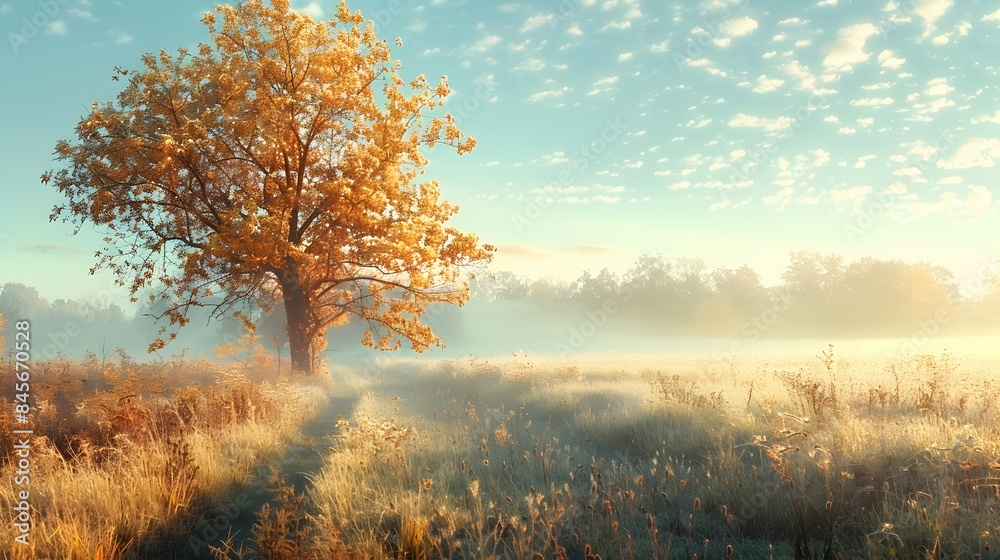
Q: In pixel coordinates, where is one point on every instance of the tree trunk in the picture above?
(296, 315)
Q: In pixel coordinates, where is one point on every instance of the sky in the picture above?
(731, 131)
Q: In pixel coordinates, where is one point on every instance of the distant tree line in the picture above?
(821, 295)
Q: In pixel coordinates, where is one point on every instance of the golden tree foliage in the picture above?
(266, 166)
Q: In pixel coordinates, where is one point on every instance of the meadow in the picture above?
(822, 455)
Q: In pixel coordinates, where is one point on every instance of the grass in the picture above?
(827, 456)
(127, 459)
(821, 458)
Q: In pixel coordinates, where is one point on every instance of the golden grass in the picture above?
(837, 457)
(827, 456)
(126, 467)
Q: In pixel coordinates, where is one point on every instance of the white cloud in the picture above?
(574, 30)
(993, 16)
(888, 59)
(739, 27)
(950, 180)
(744, 120)
(941, 39)
(617, 25)
(536, 21)
(606, 81)
(531, 65)
(486, 43)
(995, 118)
(547, 94)
(624, 56)
(765, 84)
(976, 152)
(849, 47)
(312, 9)
(827, 3)
(938, 86)
(121, 37)
(854, 195)
(780, 198)
(930, 11)
(76, 12)
(863, 161)
(873, 102)
(57, 27)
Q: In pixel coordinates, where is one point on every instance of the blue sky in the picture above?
(732, 131)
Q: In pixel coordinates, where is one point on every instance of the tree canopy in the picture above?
(265, 167)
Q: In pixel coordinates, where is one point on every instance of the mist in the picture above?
(658, 307)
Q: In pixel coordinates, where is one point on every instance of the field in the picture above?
(809, 456)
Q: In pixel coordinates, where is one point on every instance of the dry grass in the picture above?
(126, 458)
(824, 457)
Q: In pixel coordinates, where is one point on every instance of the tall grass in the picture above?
(127, 458)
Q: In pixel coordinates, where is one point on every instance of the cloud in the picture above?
(744, 120)
(76, 12)
(486, 43)
(873, 102)
(950, 180)
(888, 59)
(624, 56)
(57, 27)
(312, 9)
(938, 86)
(995, 118)
(536, 21)
(547, 94)
(993, 16)
(780, 198)
(976, 152)
(739, 27)
(120, 37)
(849, 47)
(765, 84)
(931, 11)
(854, 195)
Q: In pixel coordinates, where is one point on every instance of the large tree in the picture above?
(267, 167)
